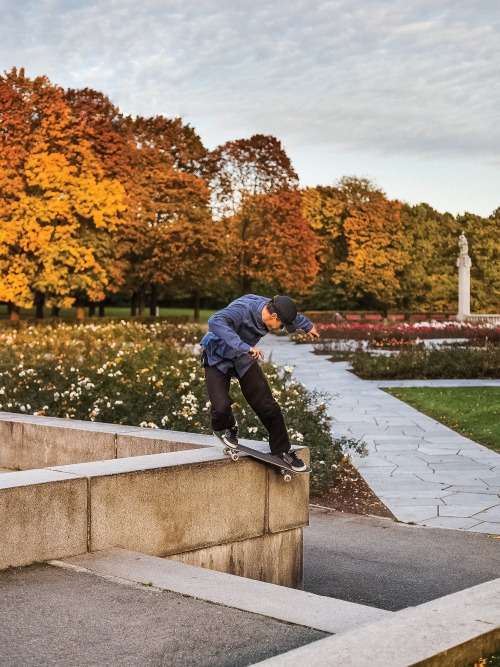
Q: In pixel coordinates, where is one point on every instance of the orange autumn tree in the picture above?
(271, 246)
(268, 244)
(57, 208)
(170, 242)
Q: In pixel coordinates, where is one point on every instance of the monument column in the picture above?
(464, 263)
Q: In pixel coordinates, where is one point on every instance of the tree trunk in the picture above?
(133, 304)
(80, 309)
(55, 311)
(39, 303)
(245, 284)
(153, 304)
(14, 313)
(196, 306)
(141, 302)
(92, 309)
(102, 309)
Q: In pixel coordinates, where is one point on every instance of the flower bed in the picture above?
(478, 333)
(149, 375)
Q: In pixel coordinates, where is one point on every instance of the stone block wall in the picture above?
(194, 505)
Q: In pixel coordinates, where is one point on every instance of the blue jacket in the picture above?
(237, 328)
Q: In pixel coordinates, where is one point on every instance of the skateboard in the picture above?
(265, 457)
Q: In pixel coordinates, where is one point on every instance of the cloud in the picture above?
(388, 77)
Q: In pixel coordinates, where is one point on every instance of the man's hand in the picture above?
(313, 334)
(255, 353)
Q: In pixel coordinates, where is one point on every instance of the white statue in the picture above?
(463, 245)
(464, 264)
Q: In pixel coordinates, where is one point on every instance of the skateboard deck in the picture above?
(265, 457)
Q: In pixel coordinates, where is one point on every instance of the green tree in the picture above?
(429, 280)
(484, 249)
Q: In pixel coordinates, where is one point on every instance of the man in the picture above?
(230, 351)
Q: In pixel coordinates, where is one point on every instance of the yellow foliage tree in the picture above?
(57, 209)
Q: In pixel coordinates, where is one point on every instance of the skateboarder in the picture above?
(230, 351)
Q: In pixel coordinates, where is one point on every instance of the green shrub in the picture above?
(419, 362)
(149, 375)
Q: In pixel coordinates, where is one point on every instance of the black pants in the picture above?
(257, 392)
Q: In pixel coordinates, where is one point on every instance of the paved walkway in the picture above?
(423, 471)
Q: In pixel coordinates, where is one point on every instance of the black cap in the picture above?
(286, 310)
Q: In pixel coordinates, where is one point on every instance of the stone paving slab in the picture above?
(258, 597)
(406, 449)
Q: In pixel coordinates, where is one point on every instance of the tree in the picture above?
(241, 169)
(254, 193)
(170, 242)
(271, 246)
(362, 252)
(57, 208)
(99, 122)
(322, 209)
(429, 279)
(484, 250)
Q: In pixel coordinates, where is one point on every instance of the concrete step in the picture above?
(453, 630)
(284, 604)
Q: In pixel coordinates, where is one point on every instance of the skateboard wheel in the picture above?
(234, 456)
(227, 451)
(287, 477)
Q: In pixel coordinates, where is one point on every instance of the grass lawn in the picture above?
(111, 311)
(472, 411)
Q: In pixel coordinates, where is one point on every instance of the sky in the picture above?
(403, 92)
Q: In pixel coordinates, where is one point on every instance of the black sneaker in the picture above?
(293, 460)
(229, 436)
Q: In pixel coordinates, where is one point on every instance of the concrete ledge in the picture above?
(29, 441)
(452, 631)
(140, 442)
(285, 604)
(43, 514)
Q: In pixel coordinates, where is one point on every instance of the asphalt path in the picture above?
(52, 617)
(386, 564)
